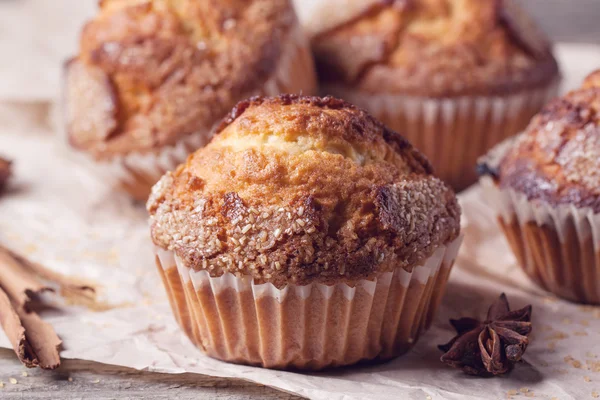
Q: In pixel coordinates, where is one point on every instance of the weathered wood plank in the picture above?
(98, 381)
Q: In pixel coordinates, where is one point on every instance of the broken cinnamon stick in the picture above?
(11, 324)
(33, 340)
(42, 338)
(75, 291)
(17, 283)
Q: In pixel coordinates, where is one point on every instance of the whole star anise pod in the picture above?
(491, 347)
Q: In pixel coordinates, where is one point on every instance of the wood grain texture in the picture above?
(98, 381)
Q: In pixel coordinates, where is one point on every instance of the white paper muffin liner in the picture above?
(558, 247)
(137, 172)
(452, 132)
(306, 327)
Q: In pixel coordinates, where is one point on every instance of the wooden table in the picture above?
(565, 20)
(77, 379)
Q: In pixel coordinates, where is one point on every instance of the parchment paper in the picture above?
(59, 213)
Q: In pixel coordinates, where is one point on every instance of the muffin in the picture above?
(545, 188)
(153, 76)
(305, 235)
(455, 77)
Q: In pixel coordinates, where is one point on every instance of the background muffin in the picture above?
(456, 77)
(546, 189)
(308, 225)
(153, 76)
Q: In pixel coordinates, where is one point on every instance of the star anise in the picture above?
(491, 347)
(5, 171)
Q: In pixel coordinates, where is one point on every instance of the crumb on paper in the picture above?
(595, 395)
(593, 366)
(512, 392)
(1, 384)
(24, 373)
(96, 381)
(70, 379)
(12, 380)
(524, 390)
(558, 335)
(587, 379)
(428, 397)
(573, 362)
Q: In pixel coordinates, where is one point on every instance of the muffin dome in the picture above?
(557, 159)
(152, 71)
(303, 189)
(436, 48)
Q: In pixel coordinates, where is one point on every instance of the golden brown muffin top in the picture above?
(303, 189)
(156, 70)
(557, 158)
(437, 48)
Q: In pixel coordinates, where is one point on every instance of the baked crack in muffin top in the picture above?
(303, 189)
(557, 158)
(437, 48)
(153, 71)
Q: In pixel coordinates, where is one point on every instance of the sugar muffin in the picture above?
(304, 235)
(153, 76)
(545, 187)
(455, 77)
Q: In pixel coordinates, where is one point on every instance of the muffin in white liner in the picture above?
(306, 327)
(139, 119)
(545, 187)
(455, 83)
(452, 132)
(305, 235)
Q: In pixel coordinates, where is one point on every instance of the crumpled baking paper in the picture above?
(58, 212)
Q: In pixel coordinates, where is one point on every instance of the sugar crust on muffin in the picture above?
(557, 158)
(302, 189)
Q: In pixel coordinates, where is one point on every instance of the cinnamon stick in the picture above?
(19, 285)
(9, 319)
(42, 338)
(34, 341)
(75, 291)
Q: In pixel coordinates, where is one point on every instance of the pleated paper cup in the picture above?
(558, 247)
(137, 172)
(452, 132)
(305, 327)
